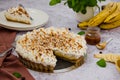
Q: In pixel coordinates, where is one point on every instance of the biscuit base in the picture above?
(36, 66)
(49, 69)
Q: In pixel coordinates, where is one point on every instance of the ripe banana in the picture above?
(83, 25)
(113, 15)
(99, 18)
(114, 18)
(110, 25)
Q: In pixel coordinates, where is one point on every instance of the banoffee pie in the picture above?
(39, 48)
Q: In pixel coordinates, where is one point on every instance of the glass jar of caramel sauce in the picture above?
(92, 35)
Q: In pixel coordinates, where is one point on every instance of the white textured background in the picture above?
(61, 16)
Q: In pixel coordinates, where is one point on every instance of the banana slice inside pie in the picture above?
(38, 49)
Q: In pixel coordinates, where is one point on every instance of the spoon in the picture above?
(102, 45)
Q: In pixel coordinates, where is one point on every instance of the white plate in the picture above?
(40, 18)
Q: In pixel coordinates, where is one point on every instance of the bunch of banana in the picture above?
(113, 20)
(99, 18)
(108, 18)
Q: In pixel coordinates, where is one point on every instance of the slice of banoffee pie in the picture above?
(18, 14)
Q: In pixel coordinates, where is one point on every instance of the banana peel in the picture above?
(111, 57)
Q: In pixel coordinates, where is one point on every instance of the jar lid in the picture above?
(95, 29)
